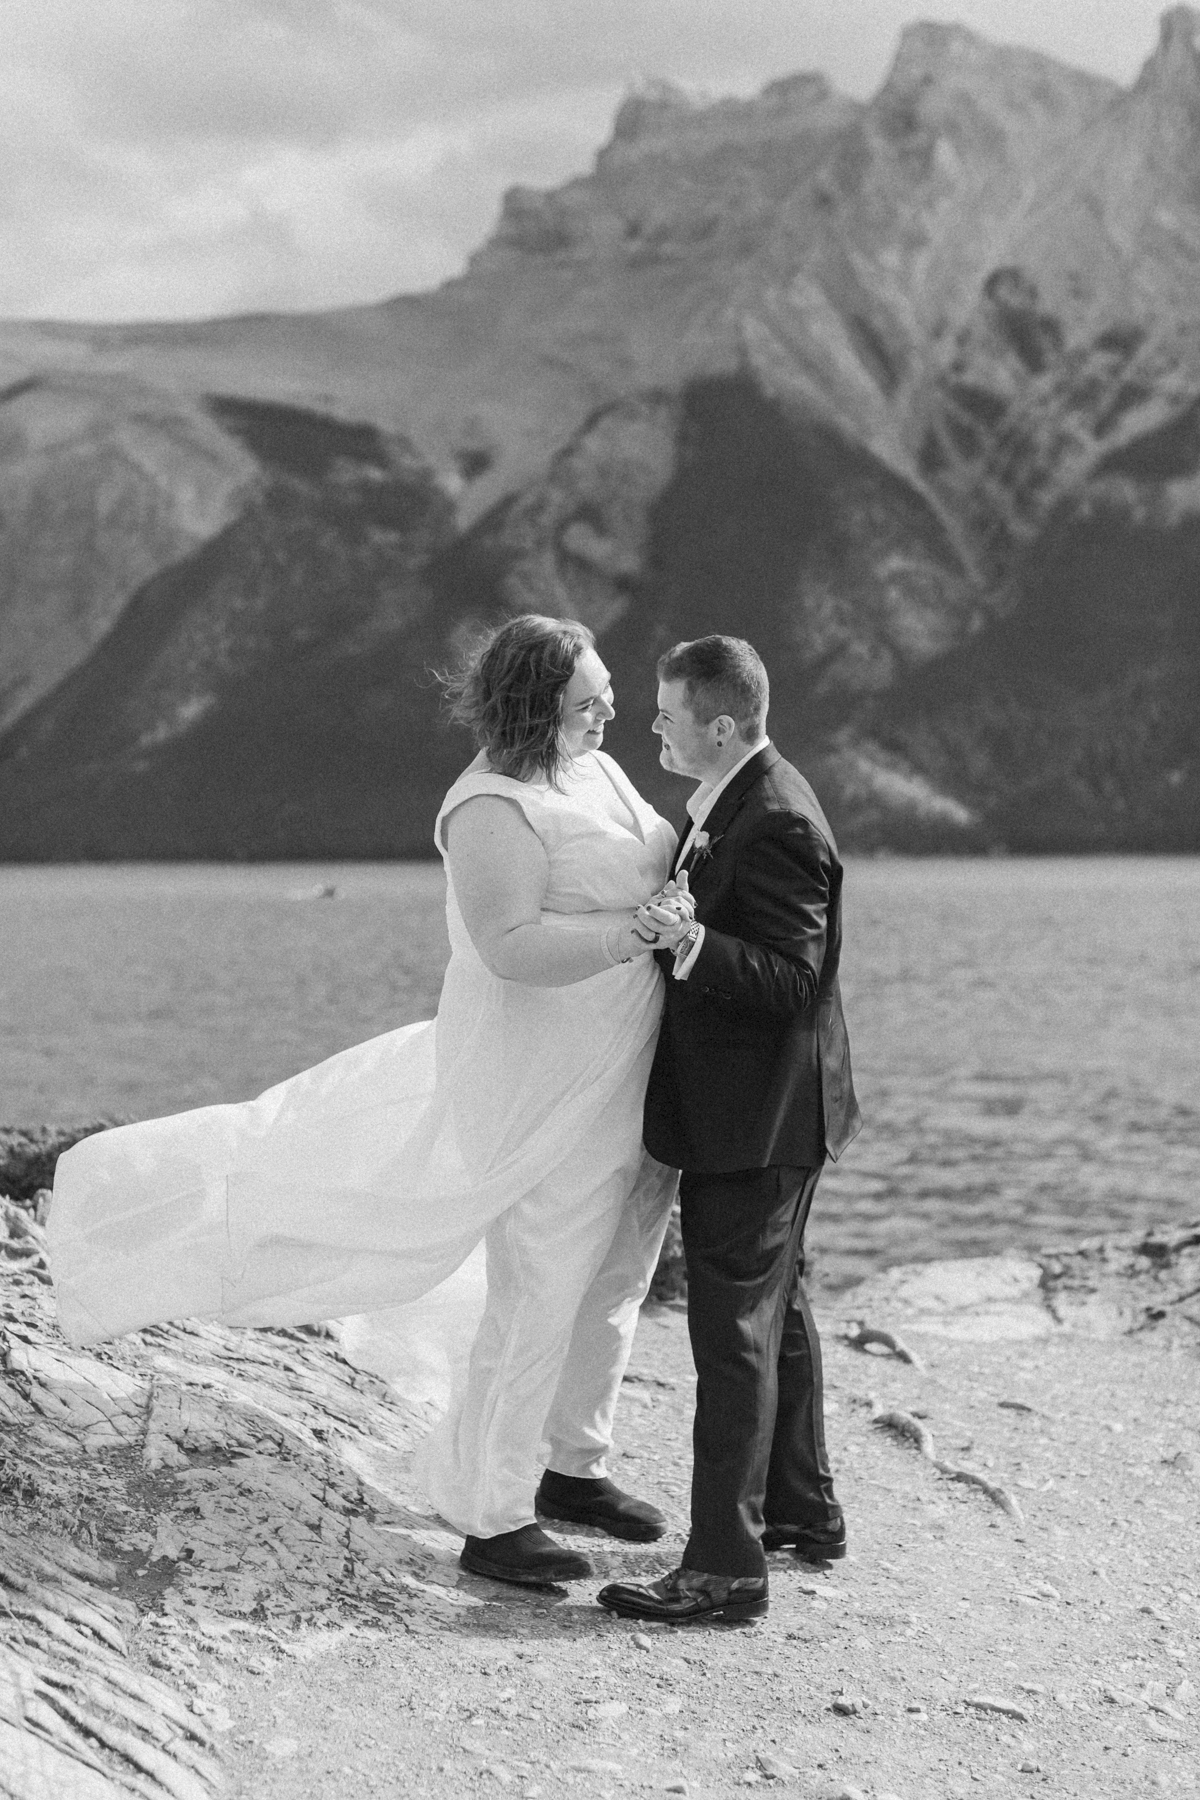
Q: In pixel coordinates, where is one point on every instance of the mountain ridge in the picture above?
(872, 383)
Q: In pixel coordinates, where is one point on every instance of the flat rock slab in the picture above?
(1100, 1288)
(982, 1299)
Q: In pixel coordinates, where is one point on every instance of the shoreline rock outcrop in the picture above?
(185, 1485)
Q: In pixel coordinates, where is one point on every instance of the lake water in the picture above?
(1026, 1034)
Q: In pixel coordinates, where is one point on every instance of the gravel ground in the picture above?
(216, 1573)
(955, 1651)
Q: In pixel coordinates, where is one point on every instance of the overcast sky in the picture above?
(174, 158)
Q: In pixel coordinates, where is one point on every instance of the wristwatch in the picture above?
(687, 942)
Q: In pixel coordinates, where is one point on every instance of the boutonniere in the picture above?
(702, 846)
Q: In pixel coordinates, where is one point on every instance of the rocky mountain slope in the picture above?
(908, 392)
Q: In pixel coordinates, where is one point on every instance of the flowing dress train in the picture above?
(366, 1182)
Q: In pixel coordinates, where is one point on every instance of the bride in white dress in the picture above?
(512, 1121)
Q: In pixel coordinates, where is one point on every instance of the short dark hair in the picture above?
(721, 675)
(508, 692)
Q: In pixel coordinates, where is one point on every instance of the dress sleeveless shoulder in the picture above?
(477, 783)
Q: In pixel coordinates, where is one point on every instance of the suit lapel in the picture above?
(731, 799)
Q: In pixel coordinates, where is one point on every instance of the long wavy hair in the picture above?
(508, 692)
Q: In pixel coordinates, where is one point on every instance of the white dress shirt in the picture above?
(699, 806)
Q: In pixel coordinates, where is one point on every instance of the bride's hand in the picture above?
(677, 897)
(638, 937)
(665, 918)
(657, 924)
(670, 912)
(670, 927)
(670, 924)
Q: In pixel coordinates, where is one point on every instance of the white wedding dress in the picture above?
(369, 1180)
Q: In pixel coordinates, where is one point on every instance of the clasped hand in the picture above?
(666, 915)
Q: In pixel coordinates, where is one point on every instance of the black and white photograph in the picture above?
(599, 899)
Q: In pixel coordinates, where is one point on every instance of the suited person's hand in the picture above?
(658, 913)
(677, 897)
(668, 925)
(665, 913)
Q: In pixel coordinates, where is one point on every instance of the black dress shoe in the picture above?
(527, 1557)
(811, 1543)
(687, 1594)
(587, 1500)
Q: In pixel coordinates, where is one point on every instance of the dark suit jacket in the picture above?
(753, 1063)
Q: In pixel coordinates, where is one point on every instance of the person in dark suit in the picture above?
(749, 1092)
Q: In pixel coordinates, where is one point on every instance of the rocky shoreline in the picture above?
(182, 1512)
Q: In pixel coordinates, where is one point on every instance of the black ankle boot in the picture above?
(590, 1500)
(527, 1556)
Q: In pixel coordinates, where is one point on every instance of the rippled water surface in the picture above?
(1026, 1035)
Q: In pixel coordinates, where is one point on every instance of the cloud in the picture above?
(185, 157)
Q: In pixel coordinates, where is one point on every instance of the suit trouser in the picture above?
(759, 1436)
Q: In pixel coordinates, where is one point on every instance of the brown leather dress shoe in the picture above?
(588, 1500)
(688, 1594)
(527, 1556)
